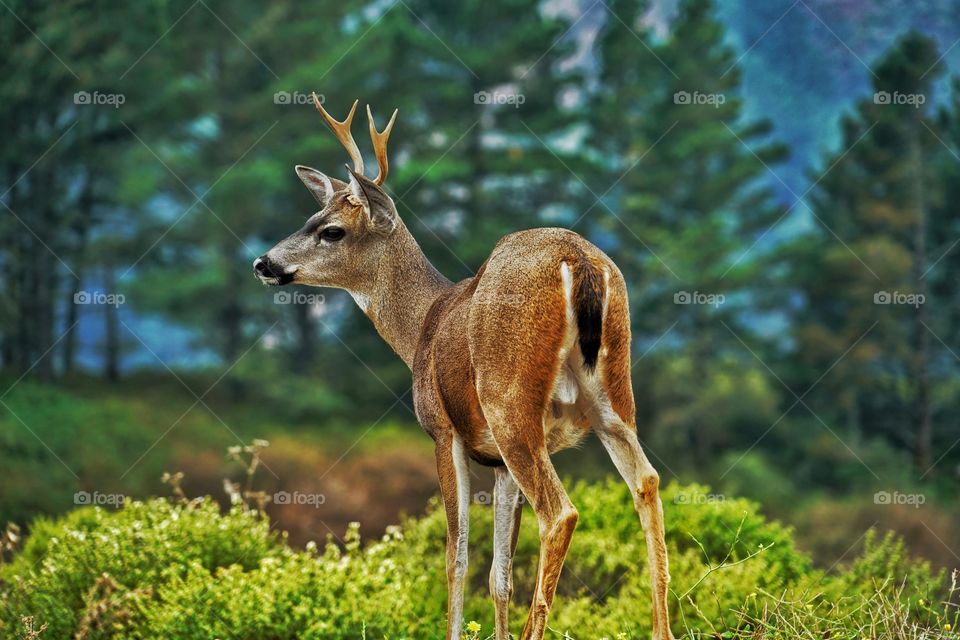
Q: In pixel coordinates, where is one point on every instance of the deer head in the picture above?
(340, 244)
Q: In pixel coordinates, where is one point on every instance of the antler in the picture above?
(380, 145)
(342, 131)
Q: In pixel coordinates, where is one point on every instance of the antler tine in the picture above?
(342, 131)
(380, 144)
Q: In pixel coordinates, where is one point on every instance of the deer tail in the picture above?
(589, 293)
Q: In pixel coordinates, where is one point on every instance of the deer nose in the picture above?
(272, 273)
(260, 267)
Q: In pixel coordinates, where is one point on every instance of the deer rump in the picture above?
(527, 328)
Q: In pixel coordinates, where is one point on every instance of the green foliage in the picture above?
(184, 570)
(753, 474)
(883, 198)
(63, 425)
(687, 205)
(68, 565)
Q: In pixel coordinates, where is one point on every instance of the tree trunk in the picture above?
(852, 401)
(921, 359)
(230, 326)
(7, 309)
(111, 353)
(45, 268)
(81, 228)
(14, 244)
(70, 339)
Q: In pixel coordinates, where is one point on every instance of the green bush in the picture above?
(68, 564)
(163, 569)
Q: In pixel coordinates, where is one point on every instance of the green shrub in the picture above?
(141, 546)
(164, 569)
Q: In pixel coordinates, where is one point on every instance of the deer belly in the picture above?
(564, 426)
(482, 443)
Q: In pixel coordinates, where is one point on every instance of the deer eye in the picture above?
(332, 234)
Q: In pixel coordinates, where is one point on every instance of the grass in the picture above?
(182, 568)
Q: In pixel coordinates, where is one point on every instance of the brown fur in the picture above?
(501, 371)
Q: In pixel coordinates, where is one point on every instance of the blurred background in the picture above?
(778, 181)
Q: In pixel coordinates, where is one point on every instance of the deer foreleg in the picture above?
(453, 471)
(507, 510)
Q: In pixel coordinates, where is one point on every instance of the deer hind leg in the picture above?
(516, 351)
(522, 447)
(620, 441)
(507, 510)
(453, 471)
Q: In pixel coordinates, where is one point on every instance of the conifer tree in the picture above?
(688, 206)
(864, 272)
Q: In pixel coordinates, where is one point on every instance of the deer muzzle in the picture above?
(271, 273)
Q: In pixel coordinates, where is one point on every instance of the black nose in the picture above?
(261, 267)
(273, 273)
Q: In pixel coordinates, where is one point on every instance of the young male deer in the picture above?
(509, 366)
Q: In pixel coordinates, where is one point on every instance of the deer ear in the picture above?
(380, 210)
(321, 186)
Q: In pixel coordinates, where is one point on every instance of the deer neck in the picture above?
(404, 287)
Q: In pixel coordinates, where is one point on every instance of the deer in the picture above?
(509, 366)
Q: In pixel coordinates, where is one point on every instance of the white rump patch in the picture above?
(566, 276)
(565, 386)
(576, 389)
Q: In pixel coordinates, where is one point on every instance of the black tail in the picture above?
(588, 295)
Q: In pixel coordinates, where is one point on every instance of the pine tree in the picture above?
(864, 271)
(688, 206)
